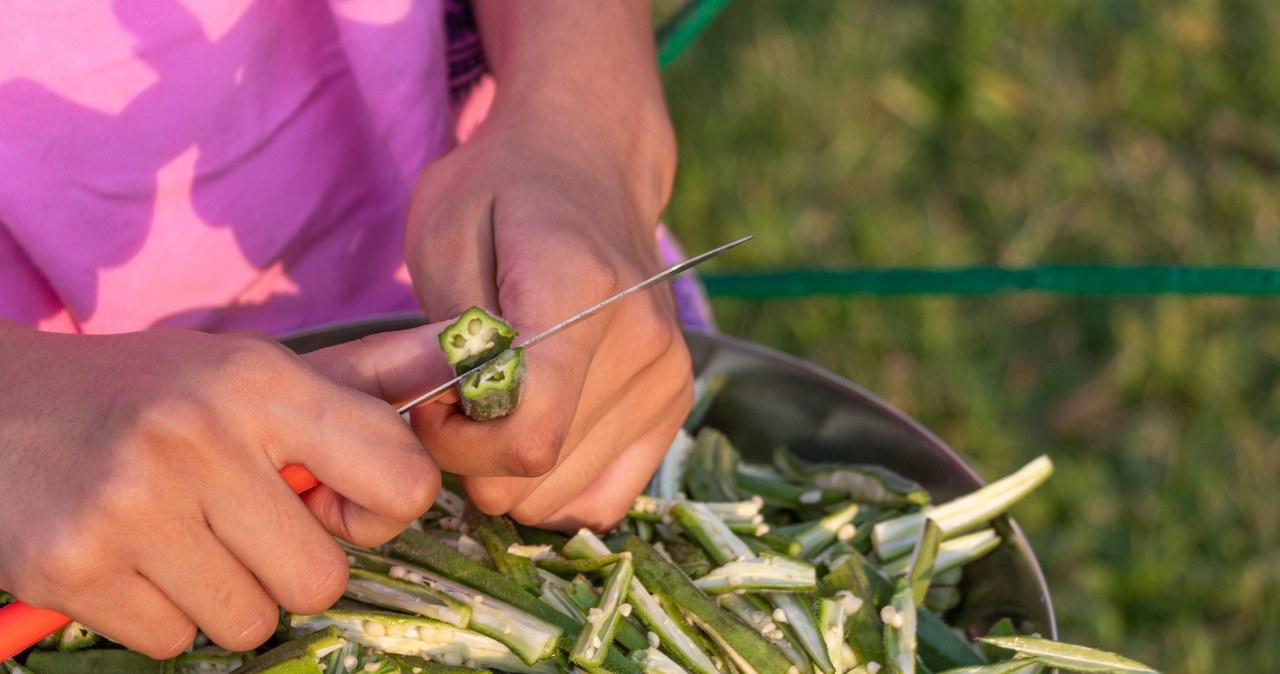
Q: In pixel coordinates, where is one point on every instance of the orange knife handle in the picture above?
(299, 478)
(21, 625)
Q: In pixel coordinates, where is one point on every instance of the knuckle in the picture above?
(491, 497)
(251, 358)
(534, 454)
(321, 583)
(418, 493)
(167, 640)
(69, 566)
(252, 629)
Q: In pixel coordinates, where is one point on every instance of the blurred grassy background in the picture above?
(910, 132)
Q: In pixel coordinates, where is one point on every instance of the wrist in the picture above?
(583, 81)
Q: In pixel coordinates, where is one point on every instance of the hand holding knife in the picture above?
(22, 625)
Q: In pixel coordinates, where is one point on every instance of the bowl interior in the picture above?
(771, 398)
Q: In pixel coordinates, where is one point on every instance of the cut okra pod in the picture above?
(408, 635)
(895, 537)
(767, 573)
(300, 656)
(476, 336)
(604, 618)
(494, 391)
(95, 662)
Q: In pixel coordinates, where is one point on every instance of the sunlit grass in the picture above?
(881, 133)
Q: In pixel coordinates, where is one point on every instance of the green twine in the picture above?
(682, 29)
(1064, 279)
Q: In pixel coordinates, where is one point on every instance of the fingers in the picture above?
(392, 366)
(377, 476)
(275, 542)
(623, 449)
(131, 610)
(234, 611)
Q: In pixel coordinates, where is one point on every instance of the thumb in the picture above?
(394, 366)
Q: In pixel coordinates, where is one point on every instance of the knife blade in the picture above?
(668, 273)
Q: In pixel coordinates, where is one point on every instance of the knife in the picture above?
(22, 625)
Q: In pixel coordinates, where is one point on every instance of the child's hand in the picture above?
(139, 485)
(550, 208)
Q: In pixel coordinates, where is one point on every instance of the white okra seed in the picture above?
(349, 661)
(654, 640)
(810, 497)
(374, 629)
(845, 533)
(779, 615)
(397, 571)
(625, 610)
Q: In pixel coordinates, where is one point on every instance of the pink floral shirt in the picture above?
(222, 164)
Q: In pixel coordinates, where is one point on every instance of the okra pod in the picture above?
(419, 549)
(711, 474)
(299, 656)
(875, 485)
(655, 661)
(1069, 656)
(494, 391)
(655, 571)
(650, 611)
(760, 574)
(95, 662)
(952, 554)
(380, 589)
(831, 623)
(604, 618)
(895, 537)
(899, 619)
(408, 635)
(836, 526)
(497, 534)
(476, 336)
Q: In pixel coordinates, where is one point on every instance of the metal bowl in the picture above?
(771, 398)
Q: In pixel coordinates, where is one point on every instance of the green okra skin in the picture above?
(415, 665)
(299, 656)
(705, 390)
(920, 569)
(75, 636)
(1069, 656)
(11, 666)
(380, 665)
(667, 480)
(778, 493)
(571, 567)
(691, 559)
(952, 555)
(665, 625)
(498, 534)
(756, 613)
(604, 618)
(95, 662)
(899, 619)
(835, 526)
(654, 661)
(795, 612)
(1022, 665)
(476, 336)
(711, 532)
(895, 537)
(422, 550)
(875, 485)
(210, 660)
(655, 571)
(494, 391)
(942, 599)
(711, 474)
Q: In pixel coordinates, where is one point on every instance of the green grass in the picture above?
(884, 133)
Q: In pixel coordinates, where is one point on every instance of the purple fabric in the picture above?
(691, 297)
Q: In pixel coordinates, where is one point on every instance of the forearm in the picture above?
(589, 67)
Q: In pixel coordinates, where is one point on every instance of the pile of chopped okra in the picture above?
(721, 567)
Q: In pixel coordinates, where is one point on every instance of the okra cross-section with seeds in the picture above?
(475, 338)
